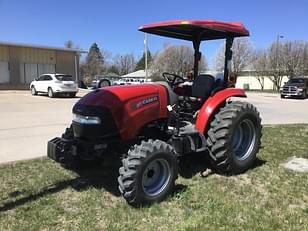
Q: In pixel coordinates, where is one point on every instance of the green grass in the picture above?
(40, 195)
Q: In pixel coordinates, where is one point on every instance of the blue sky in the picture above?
(113, 24)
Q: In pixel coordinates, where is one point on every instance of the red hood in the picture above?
(108, 96)
(132, 106)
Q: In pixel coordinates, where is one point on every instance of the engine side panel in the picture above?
(131, 106)
(212, 103)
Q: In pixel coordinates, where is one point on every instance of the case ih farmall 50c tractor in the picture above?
(156, 125)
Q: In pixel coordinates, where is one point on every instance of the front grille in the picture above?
(289, 90)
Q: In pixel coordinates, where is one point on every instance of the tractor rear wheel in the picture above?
(234, 137)
(148, 173)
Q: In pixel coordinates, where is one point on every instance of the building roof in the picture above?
(137, 74)
(42, 47)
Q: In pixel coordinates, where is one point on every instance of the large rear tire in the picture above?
(234, 138)
(148, 173)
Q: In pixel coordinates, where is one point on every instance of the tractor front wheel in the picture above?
(148, 173)
(234, 137)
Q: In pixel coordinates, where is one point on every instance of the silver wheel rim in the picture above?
(156, 177)
(33, 91)
(49, 92)
(244, 139)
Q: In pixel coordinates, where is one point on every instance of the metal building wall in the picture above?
(4, 53)
(19, 65)
(34, 62)
(66, 63)
(4, 65)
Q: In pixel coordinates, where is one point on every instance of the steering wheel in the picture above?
(173, 79)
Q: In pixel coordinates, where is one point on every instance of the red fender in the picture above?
(212, 103)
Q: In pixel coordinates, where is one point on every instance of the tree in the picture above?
(125, 63)
(94, 63)
(177, 59)
(68, 44)
(141, 63)
(293, 56)
(113, 69)
(259, 65)
(242, 53)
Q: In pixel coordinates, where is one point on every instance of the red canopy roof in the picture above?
(202, 29)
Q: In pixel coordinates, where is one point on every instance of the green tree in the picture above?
(94, 63)
(141, 63)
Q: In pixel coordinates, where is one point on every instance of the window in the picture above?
(47, 78)
(41, 78)
(64, 77)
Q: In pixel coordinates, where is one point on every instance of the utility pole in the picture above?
(277, 52)
(277, 58)
(146, 56)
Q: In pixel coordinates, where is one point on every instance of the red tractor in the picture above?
(156, 124)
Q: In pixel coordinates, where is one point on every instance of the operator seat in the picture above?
(202, 86)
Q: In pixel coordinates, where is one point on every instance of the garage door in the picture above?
(4, 72)
(29, 71)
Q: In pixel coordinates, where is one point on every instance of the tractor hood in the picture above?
(131, 106)
(117, 96)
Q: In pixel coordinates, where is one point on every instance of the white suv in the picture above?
(53, 84)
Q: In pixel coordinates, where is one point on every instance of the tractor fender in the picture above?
(212, 103)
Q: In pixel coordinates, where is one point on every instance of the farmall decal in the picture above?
(146, 101)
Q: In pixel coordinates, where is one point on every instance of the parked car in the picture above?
(295, 87)
(54, 84)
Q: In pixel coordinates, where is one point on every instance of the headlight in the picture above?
(300, 89)
(86, 119)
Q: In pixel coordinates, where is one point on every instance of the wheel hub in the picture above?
(156, 177)
(244, 139)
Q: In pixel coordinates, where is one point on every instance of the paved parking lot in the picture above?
(28, 122)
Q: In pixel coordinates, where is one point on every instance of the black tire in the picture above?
(148, 173)
(72, 95)
(104, 83)
(282, 96)
(33, 91)
(234, 138)
(304, 96)
(50, 93)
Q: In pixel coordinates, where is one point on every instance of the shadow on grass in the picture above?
(195, 163)
(97, 175)
(104, 175)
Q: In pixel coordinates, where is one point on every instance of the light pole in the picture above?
(277, 52)
(146, 56)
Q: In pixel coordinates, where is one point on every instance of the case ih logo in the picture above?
(146, 101)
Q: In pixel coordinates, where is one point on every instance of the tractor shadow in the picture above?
(94, 174)
(199, 163)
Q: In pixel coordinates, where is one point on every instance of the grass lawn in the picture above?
(40, 195)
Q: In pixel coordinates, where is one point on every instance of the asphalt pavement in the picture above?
(28, 122)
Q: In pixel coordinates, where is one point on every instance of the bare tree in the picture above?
(242, 53)
(177, 59)
(125, 63)
(69, 44)
(292, 57)
(259, 66)
(286, 59)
